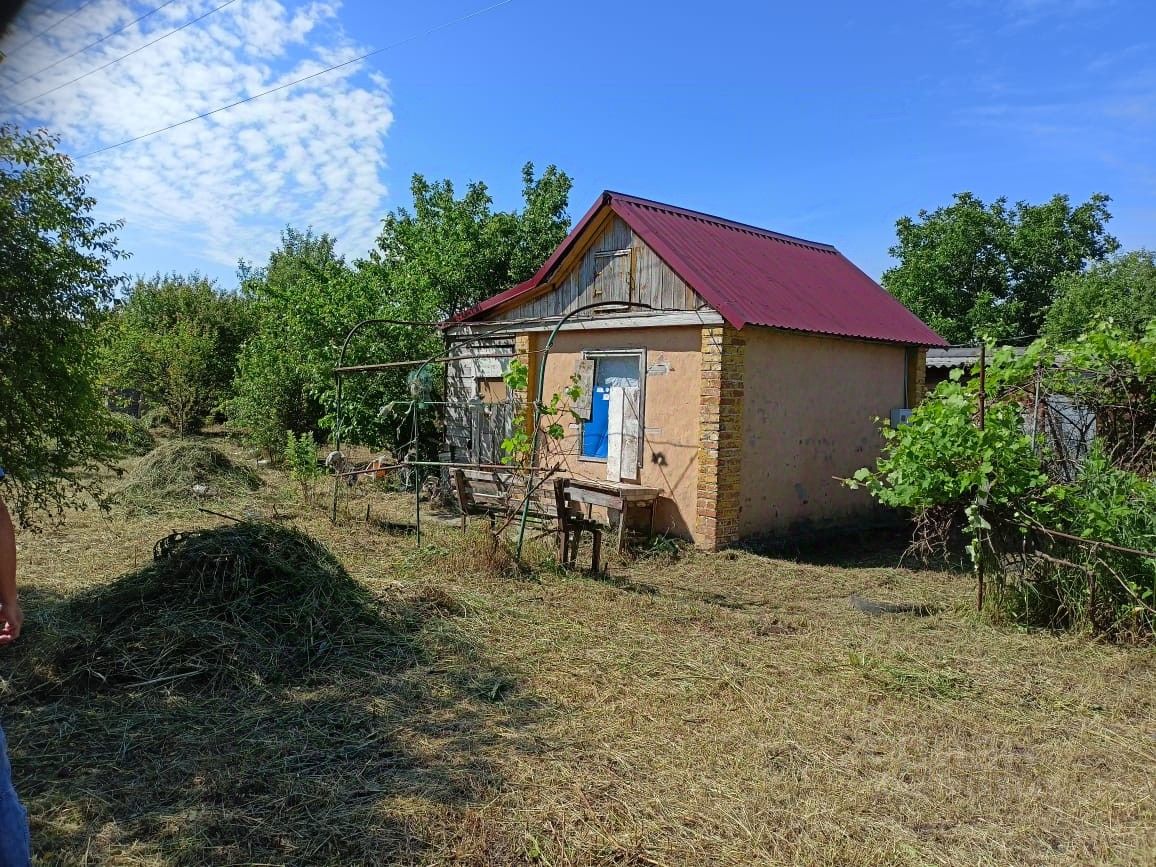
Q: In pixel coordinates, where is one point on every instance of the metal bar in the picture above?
(1093, 542)
(369, 368)
(385, 468)
(337, 377)
(982, 425)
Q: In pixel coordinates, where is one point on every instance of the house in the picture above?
(744, 383)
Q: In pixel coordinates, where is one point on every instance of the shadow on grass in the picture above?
(882, 547)
(369, 752)
(618, 582)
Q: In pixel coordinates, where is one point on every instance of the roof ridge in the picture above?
(749, 228)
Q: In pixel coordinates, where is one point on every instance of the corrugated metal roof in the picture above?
(961, 356)
(752, 276)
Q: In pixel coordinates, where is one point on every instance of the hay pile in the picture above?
(185, 472)
(242, 605)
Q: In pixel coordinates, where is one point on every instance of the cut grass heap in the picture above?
(183, 472)
(239, 605)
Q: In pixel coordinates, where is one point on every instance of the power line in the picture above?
(94, 43)
(50, 27)
(297, 81)
(124, 56)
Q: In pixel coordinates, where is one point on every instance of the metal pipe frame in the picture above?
(545, 357)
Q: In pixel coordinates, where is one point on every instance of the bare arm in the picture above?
(11, 615)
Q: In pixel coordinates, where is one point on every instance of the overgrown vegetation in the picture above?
(1054, 496)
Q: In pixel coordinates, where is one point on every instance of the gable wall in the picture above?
(642, 276)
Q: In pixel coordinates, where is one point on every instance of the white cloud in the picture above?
(225, 186)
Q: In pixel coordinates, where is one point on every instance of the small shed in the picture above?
(744, 386)
(940, 362)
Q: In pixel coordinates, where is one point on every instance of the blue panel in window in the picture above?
(594, 439)
(619, 370)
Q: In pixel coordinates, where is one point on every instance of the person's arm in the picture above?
(11, 616)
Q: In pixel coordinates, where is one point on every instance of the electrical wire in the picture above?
(297, 81)
(94, 43)
(126, 55)
(50, 28)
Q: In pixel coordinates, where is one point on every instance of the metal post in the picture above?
(416, 482)
(982, 417)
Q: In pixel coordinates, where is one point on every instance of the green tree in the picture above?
(441, 258)
(449, 253)
(1122, 289)
(54, 278)
(299, 303)
(972, 269)
(175, 340)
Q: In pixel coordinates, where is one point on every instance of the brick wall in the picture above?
(916, 376)
(524, 352)
(720, 437)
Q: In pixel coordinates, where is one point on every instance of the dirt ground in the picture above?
(685, 709)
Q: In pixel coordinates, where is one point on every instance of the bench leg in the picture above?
(597, 552)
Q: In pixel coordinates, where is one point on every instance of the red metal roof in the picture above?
(751, 276)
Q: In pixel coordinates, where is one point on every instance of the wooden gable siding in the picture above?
(638, 276)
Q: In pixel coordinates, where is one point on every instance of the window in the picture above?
(612, 433)
(612, 275)
(491, 389)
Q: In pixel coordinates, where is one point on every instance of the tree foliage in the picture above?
(175, 340)
(1122, 289)
(301, 302)
(449, 253)
(437, 259)
(972, 269)
(54, 278)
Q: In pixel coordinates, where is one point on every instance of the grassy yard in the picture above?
(690, 709)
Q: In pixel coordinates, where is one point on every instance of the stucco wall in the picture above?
(808, 416)
(670, 413)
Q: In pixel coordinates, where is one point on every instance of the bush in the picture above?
(1055, 515)
(301, 461)
(130, 436)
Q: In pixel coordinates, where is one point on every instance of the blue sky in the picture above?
(827, 120)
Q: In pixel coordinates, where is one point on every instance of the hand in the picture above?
(11, 621)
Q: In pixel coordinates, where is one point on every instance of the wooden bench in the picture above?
(497, 492)
(500, 492)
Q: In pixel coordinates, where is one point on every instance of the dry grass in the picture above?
(698, 709)
(180, 472)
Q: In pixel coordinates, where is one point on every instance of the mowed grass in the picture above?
(698, 709)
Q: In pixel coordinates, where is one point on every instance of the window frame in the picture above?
(593, 355)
